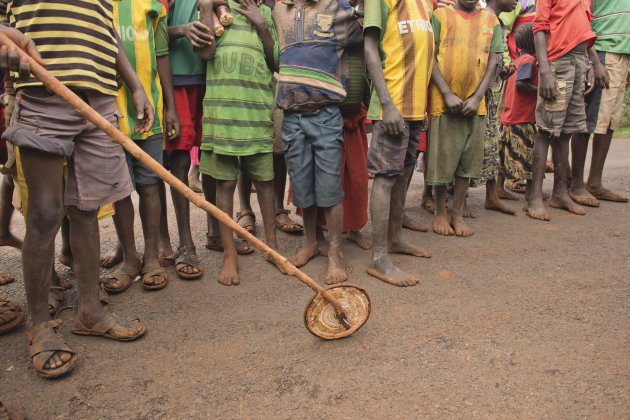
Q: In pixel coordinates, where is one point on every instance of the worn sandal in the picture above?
(109, 324)
(185, 258)
(44, 341)
(7, 324)
(248, 226)
(291, 227)
(122, 276)
(214, 243)
(154, 270)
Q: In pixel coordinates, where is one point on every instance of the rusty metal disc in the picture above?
(320, 317)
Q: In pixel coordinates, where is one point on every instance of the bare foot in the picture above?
(110, 260)
(358, 238)
(11, 240)
(336, 272)
(428, 203)
(607, 195)
(229, 273)
(467, 212)
(505, 195)
(442, 227)
(304, 255)
(536, 210)
(407, 249)
(460, 227)
(383, 269)
(411, 224)
(6, 279)
(499, 206)
(583, 197)
(565, 203)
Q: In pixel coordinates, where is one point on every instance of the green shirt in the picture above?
(238, 104)
(187, 67)
(611, 24)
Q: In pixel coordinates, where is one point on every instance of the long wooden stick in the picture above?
(117, 136)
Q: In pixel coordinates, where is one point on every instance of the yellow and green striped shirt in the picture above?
(75, 39)
(141, 25)
(406, 53)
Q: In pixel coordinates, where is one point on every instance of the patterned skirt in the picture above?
(516, 150)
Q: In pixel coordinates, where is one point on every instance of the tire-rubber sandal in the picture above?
(154, 270)
(102, 328)
(185, 258)
(44, 341)
(249, 226)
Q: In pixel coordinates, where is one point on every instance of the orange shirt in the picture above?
(567, 23)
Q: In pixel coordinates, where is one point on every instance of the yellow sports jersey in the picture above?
(464, 41)
(407, 47)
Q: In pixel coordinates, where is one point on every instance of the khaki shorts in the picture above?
(97, 169)
(604, 107)
(226, 168)
(565, 115)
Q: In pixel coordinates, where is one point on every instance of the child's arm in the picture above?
(392, 119)
(171, 120)
(196, 32)
(453, 102)
(471, 104)
(144, 110)
(205, 17)
(250, 10)
(598, 76)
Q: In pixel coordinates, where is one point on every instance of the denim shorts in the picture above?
(312, 149)
(140, 174)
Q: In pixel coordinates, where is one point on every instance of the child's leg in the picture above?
(150, 218)
(210, 194)
(259, 168)
(124, 223)
(601, 145)
(266, 201)
(493, 201)
(535, 206)
(336, 272)
(245, 216)
(578, 191)
(407, 221)
(6, 212)
(65, 256)
(225, 201)
(560, 197)
(441, 225)
(457, 213)
(309, 248)
(283, 221)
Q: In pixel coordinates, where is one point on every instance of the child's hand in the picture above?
(548, 87)
(144, 111)
(250, 10)
(470, 106)
(453, 103)
(393, 121)
(199, 35)
(172, 124)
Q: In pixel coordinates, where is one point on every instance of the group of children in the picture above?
(286, 88)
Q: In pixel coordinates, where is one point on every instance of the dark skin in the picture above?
(43, 174)
(387, 219)
(548, 90)
(468, 108)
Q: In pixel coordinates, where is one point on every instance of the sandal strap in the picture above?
(244, 213)
(282, 211)
(101, 327)
(187, 258)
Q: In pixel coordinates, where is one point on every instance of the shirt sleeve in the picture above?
(543, 11)
(161, 37)
(508, 18)
(524, 72)
(374, 15)
(496, 46)
(437, 28)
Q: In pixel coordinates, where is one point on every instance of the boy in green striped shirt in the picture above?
(237, 125)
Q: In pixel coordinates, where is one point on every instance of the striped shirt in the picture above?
(611, 24)
(75, 39)
(238, 104)
(144, 35)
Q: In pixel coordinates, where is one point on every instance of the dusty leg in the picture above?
(225, 201)
(165, 250)
(124, 223)
(6, 212)
(457, 217)
(560, 197)
(502, 192)
(244, 187)
(210, 194)
(265, 193)
(578, 191)
(381, 266)
(309, 248)
(535, 206)
(360, 239)
(441, 225)
(492, 199)
(601, 145)
(65, 256)
(150, 218)
(336, 272)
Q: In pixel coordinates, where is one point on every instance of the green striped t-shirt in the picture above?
(239, 101)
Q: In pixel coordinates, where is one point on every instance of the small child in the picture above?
(467, 41)
(519, 115)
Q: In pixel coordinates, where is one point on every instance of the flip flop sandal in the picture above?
(103, 328)
(248, 226)
(519, 187)
(123, 276)
(154, 270)
(292, 227)
(214, 243)
(6, 307)
(185, 258)
(44, 341)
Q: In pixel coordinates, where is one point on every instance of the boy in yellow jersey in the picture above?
(399, 56)
(143, 30)
(467, 41)
(48, 130)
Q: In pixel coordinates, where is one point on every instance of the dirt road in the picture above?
(524, 319)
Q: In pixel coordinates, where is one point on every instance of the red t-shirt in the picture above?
(520, 106)
(567, 23)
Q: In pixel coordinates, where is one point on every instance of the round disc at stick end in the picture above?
(320, 317)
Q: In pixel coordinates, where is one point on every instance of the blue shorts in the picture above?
(140, 174)
(312, 145)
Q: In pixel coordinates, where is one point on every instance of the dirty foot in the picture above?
(411, 224)
(499, 206)
(442, 227)
(229, 273)
(6, 279)
(583, 197)
(565, 203)
(605, 194)
(506, 195)
(467, 212)
(304, 255)
(360, 239)
(536, 210)
(383, 269)
(460, 228)
(110, 260)
(407, 249)
(428, 203)
(336, 272)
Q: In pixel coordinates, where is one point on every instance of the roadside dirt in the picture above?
(525, 319)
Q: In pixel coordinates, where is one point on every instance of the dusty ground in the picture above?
(525, 319)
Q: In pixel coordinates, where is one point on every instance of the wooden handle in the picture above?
(117, 136)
